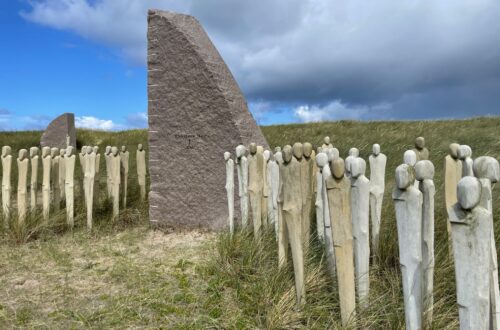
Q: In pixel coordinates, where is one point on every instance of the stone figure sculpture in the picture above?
(89, 178)
(410, 157)
(326, 143)
(452, 174)
(420, 150)
(141, 170)
(465, 154)
(107, 157)
(278, 214)
(242, 167)
(338, 188)
(408, 205)
(6, 187)
(47, 166)
(471, 231)
(124, 158)
(378, 162)
(255, 186)
(290, 195)
(81, 155)
(54, 178)
(353, 153)
(265, 187)
(62, 174)
(487, 170)
(273, 182)
(96, 176)
(69, 185)
(230, 190)
(424, 173)
(307, 175)
(34, 178)
(115, 166)
(320, 200)
(22, 192)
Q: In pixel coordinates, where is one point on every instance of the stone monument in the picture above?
(69, 184)
(242, 169)
(47, 165)
(22, 184)
(54, 178)
(58, 132)
(141, 169)
(6, 183)
(378, 162)
(196, 112)
(34, 177)
(230, 190)
(452, 174)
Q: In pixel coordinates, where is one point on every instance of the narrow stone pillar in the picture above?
(54, 178)
(452, 174)
(22, 167)
(115, 177)
(34, 178)
(141, 170)
(124, 158)
(242, 167)
(47, 166)
(69, 185)
(230, 190)
(378, 162)
(6, 183)
(89, 179)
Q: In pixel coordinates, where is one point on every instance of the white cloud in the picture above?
(137, 120)
(336, 110)
(90, 122)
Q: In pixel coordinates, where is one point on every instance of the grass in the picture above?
(123, 275)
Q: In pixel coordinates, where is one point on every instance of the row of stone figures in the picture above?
(285, 188)
(58, 183)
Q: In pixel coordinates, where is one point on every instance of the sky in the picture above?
(295, 60)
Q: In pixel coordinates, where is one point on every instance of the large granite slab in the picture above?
(58, 131)
(196, 113)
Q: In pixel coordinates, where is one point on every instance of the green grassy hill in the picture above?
(124, 275)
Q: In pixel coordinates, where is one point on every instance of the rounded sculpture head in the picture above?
(33, 152)
(89, 150)
(376, 149)
(453, 150)
(260, 149)
(486, 167)
(139, 147)
(358, 167)
(114, 151)
(124, 148)
(107, 151)
(298, 150)
(54, 152)
(327, 140)
(83, 150)
(307, 148)
(227, 155)
(96, 149)
(69, 151)
(354, 152)
(464, 151)
(420, 143)
(424, 170)
(45, 152)
(62, 152)
(410, 157)
(321, 159)
(253, 148)
(6, 150)
(23, 154)
(278, 156)
(405, 176)
(468, 192)
(287, 154)
(240, 151)
(267, 155)
(333, 153)
(338, 168)
(277, 149)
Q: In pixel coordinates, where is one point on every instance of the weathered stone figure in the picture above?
(290, 195)
(265, 187)
(88, 182)
(124, 157)
(54, 178)
(22, 192)
(255, 186)
(320, 201)
(326, 143)
(408, 205)
(62, 174)
(96, 176)
(6, 187)
(273, 182)
(452, 174)
(424, 172)
(353, 153)
(410, 157)
(115, 180)
(487, 170)
(34, 178)
(420, 150)
(69, 185)
(242, 167)
(377, 187)
(141, 170)
(47, 165)
(81, 155)
(280, 227)
(307, 175)
(338, 189)
(108, 156)
(465, 154)
(230, 190)
(471, 230)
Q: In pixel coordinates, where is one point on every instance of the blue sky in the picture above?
(295, 60)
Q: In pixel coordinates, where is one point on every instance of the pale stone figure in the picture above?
(124, 157)
(408, 205)
(97, 170)
(307, 175)
(230, 190)
(47, 166)
(108, 156)
(353, 153)
(54, 178)
(62, 174)
(487, 170)
(22, 190)
(81, 155)
(34, 177)
(452, 174)
(410, 157)
(338, 188)
(88, 182)
(242, 167)
(420, 150)
(465, 154)
(69, 185)
(471, 231)
(377, 187)
(115, 180)
(275, 183)
(141, 170)
(265, 186)
(326, 143)
(319, 202)
(424, 172)
(327, 223)
(255, 186)
(6, 187)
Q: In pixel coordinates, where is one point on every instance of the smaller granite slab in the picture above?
(58, 131)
